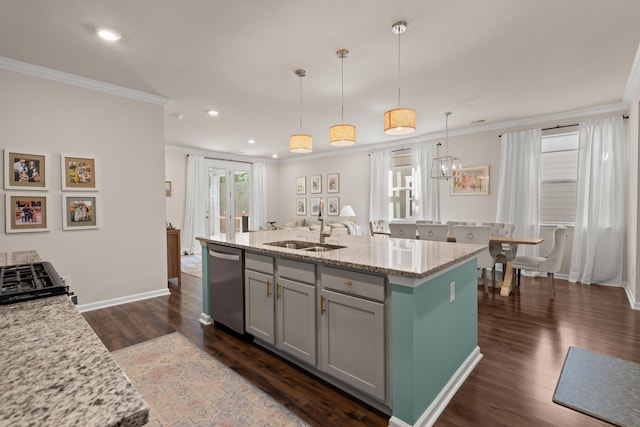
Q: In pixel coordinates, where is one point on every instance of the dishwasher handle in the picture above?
(229, 257)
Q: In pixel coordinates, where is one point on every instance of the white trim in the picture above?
(431, 414)
(635, 305)
(633, 82)
(72, 79)
(219, 155)
(205, 319)
(122, 300)
(499, 126)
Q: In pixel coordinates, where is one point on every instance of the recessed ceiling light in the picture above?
(275, 156)
(251, 141)
(109, 35)
(213, 113)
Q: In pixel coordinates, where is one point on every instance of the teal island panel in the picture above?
(431, 337)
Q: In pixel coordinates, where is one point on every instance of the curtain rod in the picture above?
(225, 160)
(565, 126)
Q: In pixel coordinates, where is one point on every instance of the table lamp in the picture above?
(347, 211)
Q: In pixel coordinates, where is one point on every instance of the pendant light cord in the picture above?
(342, 89)
(399, 33)
(300, 104)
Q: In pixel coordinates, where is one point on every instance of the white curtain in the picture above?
(258, 204)
(597, 252)
(519, 184)
(426, 200)
(195, 204)
(380, 197)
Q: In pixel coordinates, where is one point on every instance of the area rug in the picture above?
(601, 386)
(185, 386)
(192, 264)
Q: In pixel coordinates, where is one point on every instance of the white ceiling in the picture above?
(493, 60)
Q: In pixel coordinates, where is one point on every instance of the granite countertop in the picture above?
(55, 371)
(19, 257)
(407, 258)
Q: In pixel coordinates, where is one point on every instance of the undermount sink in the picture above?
(305, 246)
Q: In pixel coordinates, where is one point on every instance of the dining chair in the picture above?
(452, 224)
(403, 230)
(477, 235)
(435, 232)
(503, 252)
(550, 264)
(376, 227)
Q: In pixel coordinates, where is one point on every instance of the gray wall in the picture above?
(126, 255)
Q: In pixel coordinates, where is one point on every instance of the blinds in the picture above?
(558, 174)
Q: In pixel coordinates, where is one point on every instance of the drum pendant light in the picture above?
(399, 121)
(343, 134)
(300, 143)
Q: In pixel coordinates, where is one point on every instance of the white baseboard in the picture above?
(122, 300)
(431, 414)
(634, 304)
(205, 319)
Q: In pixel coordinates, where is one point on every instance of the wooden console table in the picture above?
(173, 255)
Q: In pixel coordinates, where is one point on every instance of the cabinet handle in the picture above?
(277, 290)
(268, 289)
(321, 305)
(347, 282)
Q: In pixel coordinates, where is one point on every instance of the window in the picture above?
(402, 186)
(558, 177)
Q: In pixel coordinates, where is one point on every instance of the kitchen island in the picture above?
(55, 371)
(419, 297)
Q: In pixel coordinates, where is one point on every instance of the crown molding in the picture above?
(498, 126)
(72, 79)
(219, 155)
(633, 82)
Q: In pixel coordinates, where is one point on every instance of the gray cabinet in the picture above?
(352, 329)
(259, 299)
(281, 304)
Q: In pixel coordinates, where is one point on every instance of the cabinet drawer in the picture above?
(297, 270)
(353, 282)
(256, 262)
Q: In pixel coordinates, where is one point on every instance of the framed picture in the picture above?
(301, 185)
(315, 206)
(24, 171)
(167, 188)
(78, 173)
(333, 183)
(315, 181)
(80, 211)
(25, 213)
(333, 206)
(301, 206)
(471, 181)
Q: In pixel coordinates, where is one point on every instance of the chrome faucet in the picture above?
(323, 235)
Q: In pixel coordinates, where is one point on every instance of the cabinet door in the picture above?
(352, 337)
(296, 319)
(259, 305)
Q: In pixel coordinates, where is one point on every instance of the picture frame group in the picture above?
(332, 205)
(28, 211)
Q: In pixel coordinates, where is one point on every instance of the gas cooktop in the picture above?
(29, 281)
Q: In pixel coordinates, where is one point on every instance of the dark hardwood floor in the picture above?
(524, 340)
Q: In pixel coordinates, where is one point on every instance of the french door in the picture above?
(228, 197)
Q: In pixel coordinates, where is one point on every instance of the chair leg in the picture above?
(493, 276)
(484, 281)
(551, 286)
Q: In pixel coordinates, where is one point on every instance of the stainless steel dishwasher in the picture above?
(226, 286)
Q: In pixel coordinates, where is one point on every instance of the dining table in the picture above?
(506, 285)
